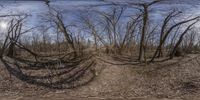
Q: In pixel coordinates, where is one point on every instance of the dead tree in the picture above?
(144, 8)
(173, 40)
(163, 29)
(189, 43)
(61, 26)
(10, 30)
(180, 40)
(15, 32)
(112, 21)
(131, 27)
(13, 35)
(168, 32)
(57, 18)
(93, 30)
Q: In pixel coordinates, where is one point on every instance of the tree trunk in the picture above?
(144, 29)
(11, 51)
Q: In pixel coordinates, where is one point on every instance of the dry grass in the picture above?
(124, 78)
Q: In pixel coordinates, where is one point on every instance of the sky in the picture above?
(35, 7)
(38, 7)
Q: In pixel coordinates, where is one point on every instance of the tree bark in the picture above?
(144, 29)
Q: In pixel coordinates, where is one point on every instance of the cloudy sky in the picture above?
(38, 7)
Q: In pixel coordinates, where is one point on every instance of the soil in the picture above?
(119, 77)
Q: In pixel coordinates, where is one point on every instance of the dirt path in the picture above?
(122, 82)
(64, 97)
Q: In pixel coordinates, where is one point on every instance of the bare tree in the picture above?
(131, 28)
(144, 8)
(112, 21)
(180, 39)
(56, 17)
(164, 28)
(93, 30)
(169, 31)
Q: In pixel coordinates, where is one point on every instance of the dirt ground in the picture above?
(118, 78)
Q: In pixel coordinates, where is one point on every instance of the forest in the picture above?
(101, 49)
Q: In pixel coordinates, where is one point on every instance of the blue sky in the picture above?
(37, 7)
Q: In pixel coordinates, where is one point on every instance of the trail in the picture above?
(176, 79)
